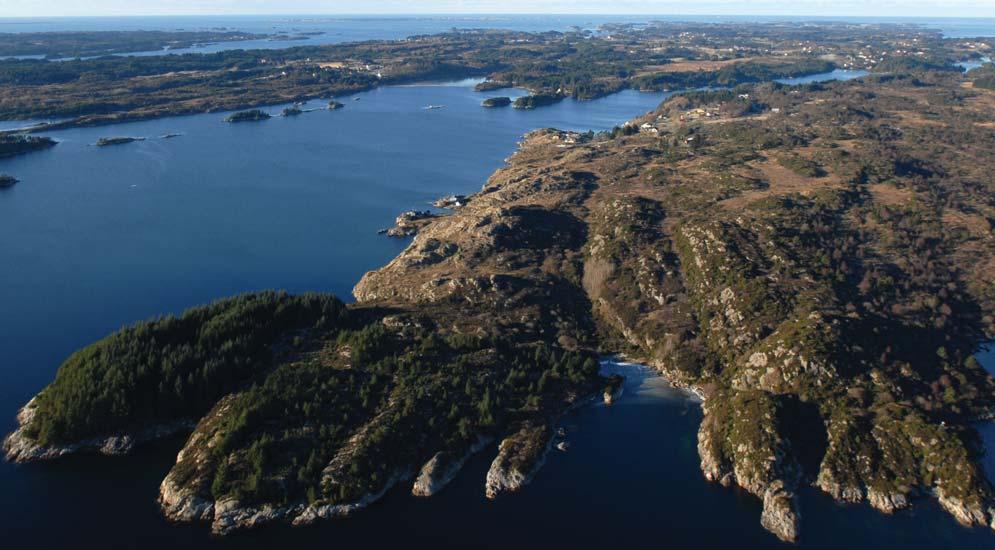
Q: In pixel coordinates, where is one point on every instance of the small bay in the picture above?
(98, 237)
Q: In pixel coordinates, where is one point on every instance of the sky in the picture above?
(925, 8)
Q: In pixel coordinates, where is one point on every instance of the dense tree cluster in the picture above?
(174, 368)
(337, 425)
(17, 144)
(731, 75)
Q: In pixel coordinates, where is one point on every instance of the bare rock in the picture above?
(780, 514)
(887, 502)
(519, 458)
(442, 468)
(408, 223)
(181, 504)
(20, 447)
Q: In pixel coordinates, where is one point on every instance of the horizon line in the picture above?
(498, 14)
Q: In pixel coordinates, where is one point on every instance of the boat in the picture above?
(431, 107)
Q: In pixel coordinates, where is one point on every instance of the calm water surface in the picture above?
(838, 74)
(95, 238)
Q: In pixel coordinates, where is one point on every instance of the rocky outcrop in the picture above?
(609, 397)
(887, 502)
(408, 223)
(188, 503)
(442, 468)
(179, 503)
(451, 202)
(316, 512)
(230, 515)
(966, 513)
(780, 513)
(734, 448)
(520, 456)
(20, 447)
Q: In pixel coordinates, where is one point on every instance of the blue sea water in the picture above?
(96, 238)
(838, 74)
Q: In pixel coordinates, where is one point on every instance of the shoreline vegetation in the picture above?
(106, 141)
(16, 144)
(251, 115)
(580, 65)
(65, 45)
(533, 101)
(496, 102)
(814, 260)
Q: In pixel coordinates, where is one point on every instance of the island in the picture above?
(814, 261)
(291, 111)
(7, 181)
(248, 116)
(78, 44)
(104, 142)
(538, 100)
(496, 102)
(580, 65)
(335, 105)
(18, 144)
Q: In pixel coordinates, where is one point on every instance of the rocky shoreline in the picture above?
(780, 514)
(520, 457)
(443, 468)
(229, 515)
(408, 223)
(18, 447)
(778, 309)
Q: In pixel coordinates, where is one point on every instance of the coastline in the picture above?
(18, 447)
(776, 497)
